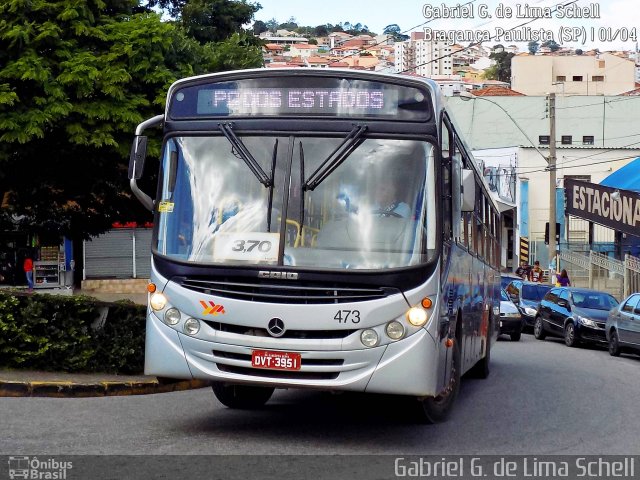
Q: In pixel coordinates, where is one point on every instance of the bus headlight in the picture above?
(369, 338)
(417, 316)
(172, 316)
(191, 326)
(394, 330)
(158, 301)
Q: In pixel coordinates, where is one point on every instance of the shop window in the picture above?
(544, 139)
(587, 140)
(566, 140)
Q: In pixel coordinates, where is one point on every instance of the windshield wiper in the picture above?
(339, 155)
(273, 173)
(245, 154)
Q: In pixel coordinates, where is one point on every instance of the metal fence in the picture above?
(602, 272)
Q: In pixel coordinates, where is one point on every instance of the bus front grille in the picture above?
(270, 292)
(262, 332)
(280, 374)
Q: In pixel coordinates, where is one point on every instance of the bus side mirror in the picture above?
(137, 156)
(468, 191)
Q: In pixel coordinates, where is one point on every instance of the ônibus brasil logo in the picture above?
(35, 468)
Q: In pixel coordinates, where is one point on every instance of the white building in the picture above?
(602, 74)
(424, 57)
(595, 136)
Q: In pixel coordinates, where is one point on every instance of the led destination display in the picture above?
(313, 96)
(293, 100)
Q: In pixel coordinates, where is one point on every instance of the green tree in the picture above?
(215, 20)
(272, 25)
(290, 24)
(501, 70)
(75, 79)
(258, 27)
(395, 31)
(552, 45)
(320, 31)
(533, 47)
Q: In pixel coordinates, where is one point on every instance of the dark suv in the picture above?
(577, 314)
(527, 296)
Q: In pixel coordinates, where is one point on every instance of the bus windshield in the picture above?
(258, 201)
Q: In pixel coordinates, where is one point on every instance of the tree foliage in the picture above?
(76, 77)
(501, 70)
(533, 47)
(552, 45)
(215, 20)
(396, 32)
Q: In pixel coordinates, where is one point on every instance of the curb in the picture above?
(97, 389)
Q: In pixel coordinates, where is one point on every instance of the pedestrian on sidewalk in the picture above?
(536, 273)
(562, 280)
(28, 271)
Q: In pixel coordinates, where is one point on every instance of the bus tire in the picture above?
(437, 409)
(243, 397)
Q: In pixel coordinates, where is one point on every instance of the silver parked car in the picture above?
(510, 317)
(623, 326)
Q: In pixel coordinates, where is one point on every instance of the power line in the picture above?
(473, 44)
(383, 41)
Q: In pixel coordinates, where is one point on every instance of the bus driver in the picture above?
(388, 202)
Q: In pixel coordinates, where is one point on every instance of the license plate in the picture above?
(275, 360)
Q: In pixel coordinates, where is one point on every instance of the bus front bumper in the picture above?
(406, 367)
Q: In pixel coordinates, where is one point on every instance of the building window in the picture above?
(587, 140)
(566, 140)
(561, 78)
(577, 78)
(600, 63)
(597, 78)
(544, 139)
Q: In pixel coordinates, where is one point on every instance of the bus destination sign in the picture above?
(313, 97)
(266, 101)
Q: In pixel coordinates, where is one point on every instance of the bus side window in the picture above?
(447, 192)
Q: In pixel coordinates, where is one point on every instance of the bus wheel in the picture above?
(243, 397)
(437, 409)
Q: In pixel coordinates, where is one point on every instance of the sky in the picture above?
(619, 18)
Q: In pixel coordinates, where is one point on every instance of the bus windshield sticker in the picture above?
(258, 247)
(165, 207)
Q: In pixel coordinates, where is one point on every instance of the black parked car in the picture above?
(623, 326)
(577, 314)
(527, 296)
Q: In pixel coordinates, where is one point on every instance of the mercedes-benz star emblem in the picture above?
(275, 327)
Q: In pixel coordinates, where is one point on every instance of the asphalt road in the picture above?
(541, 398)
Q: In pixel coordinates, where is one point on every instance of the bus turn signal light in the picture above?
(151, 287)
(448, 343)
(426, 302)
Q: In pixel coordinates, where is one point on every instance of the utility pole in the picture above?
(552, 182)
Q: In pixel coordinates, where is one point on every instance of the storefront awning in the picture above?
(627, 177)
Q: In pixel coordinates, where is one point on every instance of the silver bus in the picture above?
(323, 229)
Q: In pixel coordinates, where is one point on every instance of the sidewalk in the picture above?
(139, 298)
(27, 383)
